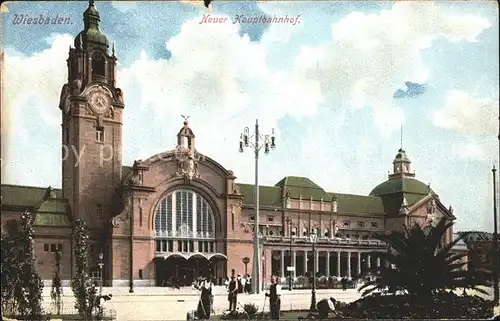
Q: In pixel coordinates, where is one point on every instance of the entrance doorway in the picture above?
(178, 270)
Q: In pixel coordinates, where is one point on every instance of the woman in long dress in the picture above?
(205, 304)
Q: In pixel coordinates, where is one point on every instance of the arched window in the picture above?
(184, 214)
(98, 64)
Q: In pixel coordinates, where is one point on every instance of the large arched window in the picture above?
(185, 217)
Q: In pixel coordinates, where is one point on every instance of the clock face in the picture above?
(99, 101)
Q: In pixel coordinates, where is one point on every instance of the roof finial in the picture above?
(113, 48)
(185, 119)
(91, 3)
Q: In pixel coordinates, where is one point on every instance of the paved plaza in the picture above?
(155, 303)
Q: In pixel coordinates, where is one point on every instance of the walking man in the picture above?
(274, 295)
(232, 296)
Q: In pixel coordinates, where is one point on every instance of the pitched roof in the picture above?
(25, 196)
(307, 189)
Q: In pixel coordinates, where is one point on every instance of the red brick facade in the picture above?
(120, 203)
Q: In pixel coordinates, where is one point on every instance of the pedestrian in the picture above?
(232, 296)
(344, 283)
(274, 295)
(248, 285)
(240, 284)
(204, 306)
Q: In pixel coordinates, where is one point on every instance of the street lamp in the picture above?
(495, 240)
(292, 264)
(269, 143)
(101, 264)
(313, 238)
(245, 261)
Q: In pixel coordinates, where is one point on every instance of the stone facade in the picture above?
(213, 217)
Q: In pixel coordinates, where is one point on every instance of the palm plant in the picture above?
(416, 264)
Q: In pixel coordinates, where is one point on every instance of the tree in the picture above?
(56, 292)
(418, 266)
(83, 287)
(21, 285)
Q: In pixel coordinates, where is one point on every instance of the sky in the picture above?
(337, 86)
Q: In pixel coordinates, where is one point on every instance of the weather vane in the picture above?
(185, 119)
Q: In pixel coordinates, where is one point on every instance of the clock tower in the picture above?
(92, 109)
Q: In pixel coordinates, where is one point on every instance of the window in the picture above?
(361, 224)
(270, 218)
(99, 135)
(347, 223)
(98, 64)
(53, 248)
(59, 247)
(99, 210)
(374, 224)
(45, 247)
(252, 218)
(140, 274)
(294, 231)
(304, 231)
(327, 233)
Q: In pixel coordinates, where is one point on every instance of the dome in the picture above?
(91, 32)
(402, 184)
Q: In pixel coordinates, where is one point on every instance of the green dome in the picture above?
(91, 32)
(404, 185)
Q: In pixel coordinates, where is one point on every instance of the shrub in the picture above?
(251, 309)
(445, 305)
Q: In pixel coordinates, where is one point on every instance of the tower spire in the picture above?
(401, 136)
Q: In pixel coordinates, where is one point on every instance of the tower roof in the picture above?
(91, 32)
(401, 157)
(185, 130)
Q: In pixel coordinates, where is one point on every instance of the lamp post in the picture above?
(495, 239)
(245, 261)
(101, 264)
(292, 264)
(313, 238)
(269, 143)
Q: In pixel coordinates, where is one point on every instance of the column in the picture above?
(327, 264)
(349, 265)
(368, 261)
(359, 263)
(305, 262)
(378, 262)
(316, 262)
(338, 263)
(282, 264)
(294, 263)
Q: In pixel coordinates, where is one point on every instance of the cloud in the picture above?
(370, 55)
(412, 90)
(37, 77)
(124, 6)
(471, 151)
(468, 114)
